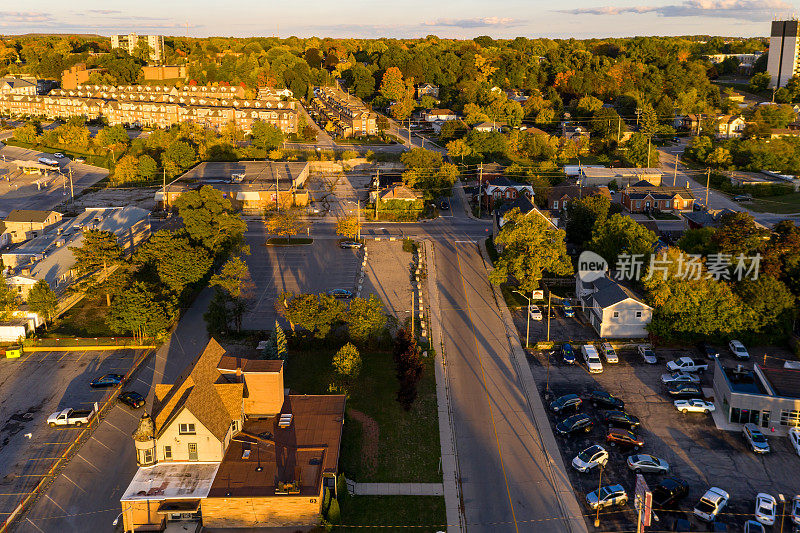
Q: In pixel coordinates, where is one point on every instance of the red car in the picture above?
(624, 438)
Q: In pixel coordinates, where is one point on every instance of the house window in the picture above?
(186, 429)
(147, 456)
(638, 314)
(790, 418)
(638, 203)
(616, 314)
(167, 453)
(555, 204)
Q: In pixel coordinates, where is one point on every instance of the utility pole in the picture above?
(619, 129)
(377, 191)
(71, 189)
(358, 217)
(638, 112)
(480, 189)
(708, 182)
(277, 193)
(675, 175)
(649, 138)
(549, 299)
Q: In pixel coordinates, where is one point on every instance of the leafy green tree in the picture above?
(458, 148)
(636, 150)
(286, 222)
(583, 213)
(147, 168)
(126, 170)
(9, 300)
(99, 250)
(266, 136)
(366, 318)
(347, 361)
(316, 313)
(233, 287)
(698, 241)
(43, 301)
(26, 133)
(232, 277)
(209, 219)
(531, 246)
(738, 233)
(140, 310)
(720, 158)
(348, 226)
(759, 82)
(781, 255)
(180, 155)
(620, 234)
(766, 299)
(175, 261)
(113, 138)
(408, 367)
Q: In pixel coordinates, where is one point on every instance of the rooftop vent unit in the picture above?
(285, 420)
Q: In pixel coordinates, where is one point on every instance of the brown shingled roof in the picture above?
(232, 363)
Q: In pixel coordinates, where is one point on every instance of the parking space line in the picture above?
(34, 525)
(100, 443)
(143, 381)
(68, 479)
(55, 503)
(115, 427)
(87, 461)
(128, 412)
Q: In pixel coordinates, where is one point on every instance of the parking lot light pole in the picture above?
(782, 498)
(599, 485)
(528, 328)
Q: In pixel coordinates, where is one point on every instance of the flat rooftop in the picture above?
(260, 174)
(171, 481)
(784, 381)
(744, 381)
(302, 452)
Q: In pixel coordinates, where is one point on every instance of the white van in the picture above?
(592, 359)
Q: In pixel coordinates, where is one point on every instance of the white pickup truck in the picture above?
(71, 417)
(687, 364)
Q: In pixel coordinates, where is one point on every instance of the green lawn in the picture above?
(370, 513)
(786, 203)
(407, 447)
(85, 319)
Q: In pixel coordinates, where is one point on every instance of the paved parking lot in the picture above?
(388, 276)
(33, 387)
(562, 329)
(20, 191)
(318, 267)
(695, 449)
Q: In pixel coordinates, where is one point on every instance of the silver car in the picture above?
(644, 463)
(607, 496)
(757, 440)
(648, 354)
(679, 377)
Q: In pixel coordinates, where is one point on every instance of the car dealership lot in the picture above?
(696, 450)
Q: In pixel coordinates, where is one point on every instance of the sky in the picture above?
(409, 18)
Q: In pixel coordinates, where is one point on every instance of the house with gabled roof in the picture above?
(613, 310)
(503, 189)
(228, 447)
(643, 197)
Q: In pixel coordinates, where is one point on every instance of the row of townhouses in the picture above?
(159, 107)
(348, 115)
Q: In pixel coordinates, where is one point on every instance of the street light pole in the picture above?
(599, 486)
(549, 299)
(782, 498)
(528, 328)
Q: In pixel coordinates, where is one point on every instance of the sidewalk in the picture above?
(395, 489)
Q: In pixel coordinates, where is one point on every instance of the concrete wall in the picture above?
(208, 447)
(140, 513)
(626, 325)
(274, 511)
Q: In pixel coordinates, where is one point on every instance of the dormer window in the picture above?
(186, 429)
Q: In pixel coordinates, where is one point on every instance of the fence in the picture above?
(88, 343)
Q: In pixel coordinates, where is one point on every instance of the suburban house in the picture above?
(48, 257)
(503, 189)
(14, 85)
(24, 224)
(524, 205)
(490, 171)
(559, 196)
(613, 310)
(426, 89)
(228, 446)
(401, 193)
(620, 176)
(730, 126)
(709, 218)
(776, 133)
(574, 133)
(643, 197)
(251, 186)
(488, 127)
(439, 114)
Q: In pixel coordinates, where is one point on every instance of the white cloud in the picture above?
(478, 22)
(736, 9)
(25, 16)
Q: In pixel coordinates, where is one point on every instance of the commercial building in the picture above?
(768, 396)
(164, 72)
(613, 310)
(643, 197)
(620, 176)
(157, 106)
(16, 85)
(130, 41)
(345, 115)
(228, 447)
(782, 62)
(77, 75)
(24, 224)
(251, 186)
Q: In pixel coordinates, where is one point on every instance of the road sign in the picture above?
(538, 295)
(643, 501)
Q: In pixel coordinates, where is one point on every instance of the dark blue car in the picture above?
(109, 380)
(568, 354)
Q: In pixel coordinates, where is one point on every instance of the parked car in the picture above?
(132, 399)
(669, 492)
(621, 419)
(687, 364)
(694, 405)
(565, 403)
(58, 155)
(340, 293)
(794, 439)
(568, 310)
(758, 441)
(107, 380)
(574, 424)
(738, 350)
(766, 508)
(647, 354)
(607, 496)
(624, 438)
(70, 417)
(589, 458)
(742, 198)
(685, 390)
(80, 160)
(568, 354)
(600, 398)
(710, 504)
(796, 510)
(751, 526)
(535, 313)
(609, 353)
(679, 377)
(592, 359)
(708, 350)
(350, 244)
(645, 463)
